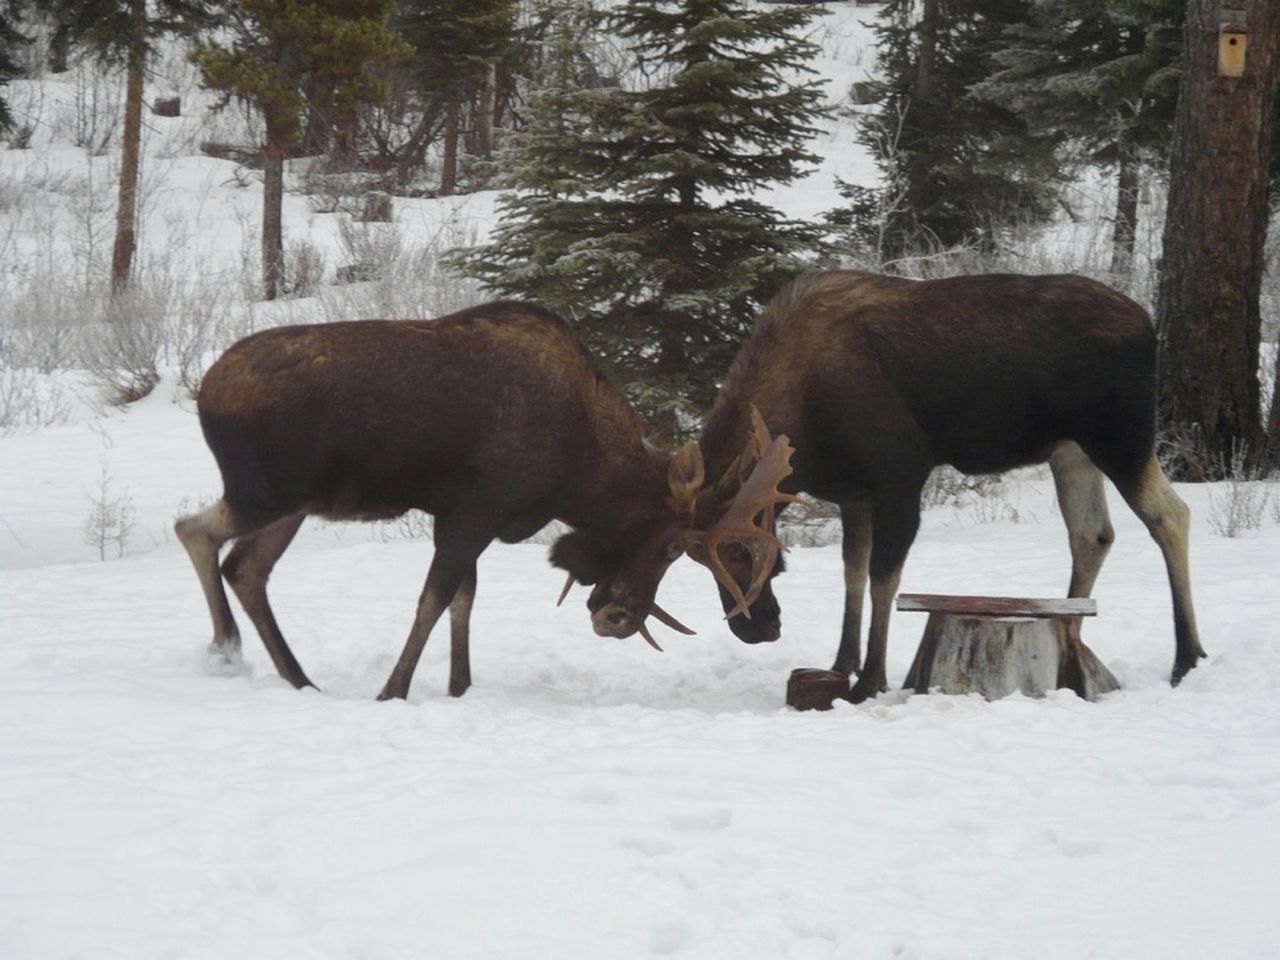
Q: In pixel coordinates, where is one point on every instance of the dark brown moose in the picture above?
(494, 420)
(877, 380)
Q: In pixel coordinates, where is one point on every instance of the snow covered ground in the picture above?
(588, 797)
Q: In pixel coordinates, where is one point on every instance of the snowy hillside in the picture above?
(587, 798)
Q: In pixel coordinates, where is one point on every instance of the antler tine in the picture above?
(755, 499)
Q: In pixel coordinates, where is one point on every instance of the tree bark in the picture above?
(449, 163)
(1207, 311)
(272, 219)
(1273, 421)
(485, 111)
(928, 50)
(59, 48)
(1125, 228)
(127, 202)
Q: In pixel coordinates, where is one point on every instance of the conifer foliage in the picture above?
(10, 39)
(943, 150)
(278, 50)
(632, 209)
(1095, 82)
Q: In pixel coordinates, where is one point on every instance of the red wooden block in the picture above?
(810, 689)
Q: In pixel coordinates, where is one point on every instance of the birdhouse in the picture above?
(1233, 36)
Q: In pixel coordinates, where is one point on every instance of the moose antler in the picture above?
(749, 517)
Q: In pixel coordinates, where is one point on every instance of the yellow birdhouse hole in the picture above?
(1233, 37)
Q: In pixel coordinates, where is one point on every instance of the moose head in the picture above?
(738, 545)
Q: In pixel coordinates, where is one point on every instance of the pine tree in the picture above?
(10, 40)
(1208, 310)
(941, 148)
(278, 50)
(1095, 82)
(121, 32)
(633, 210)
(455, 45)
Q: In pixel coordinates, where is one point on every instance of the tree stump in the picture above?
(998, 645)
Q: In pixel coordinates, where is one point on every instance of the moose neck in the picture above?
(620, 479)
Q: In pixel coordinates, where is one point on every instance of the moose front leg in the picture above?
(894, 526)
(459, 542)
(856, 551)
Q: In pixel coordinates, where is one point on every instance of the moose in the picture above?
(876, 380)
(495, 420)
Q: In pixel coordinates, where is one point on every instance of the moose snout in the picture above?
(611, 615)
(614, 620)
(756, 631)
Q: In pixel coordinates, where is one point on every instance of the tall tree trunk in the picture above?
(127, 202)
(928, 50)
(920, 164)
(1207, 309)
(1273, 421)
(59, 48)
(1125, 227)
(449, 164)
(272, 221)
(485, 111)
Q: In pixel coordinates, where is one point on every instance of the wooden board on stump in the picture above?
(998, 645)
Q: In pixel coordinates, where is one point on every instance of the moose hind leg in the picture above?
(247, 568)
(1083, 501)
(203, 535)
(1167, 517)
(460, 635)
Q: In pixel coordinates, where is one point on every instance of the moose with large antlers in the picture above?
(495, 420)
(877, 380)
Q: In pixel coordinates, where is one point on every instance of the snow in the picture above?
(588, 797)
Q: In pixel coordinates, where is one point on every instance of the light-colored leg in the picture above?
(1083, 501)
(856, 552)
(203, 535)
(247, 568)
(1168, 519)
(894, 523)
(460, 635)
(459, 541)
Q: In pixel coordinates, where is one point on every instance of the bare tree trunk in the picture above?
(449, 164)
(272, 221)
(127, 202)
(1273, 420)
(315, 134)
(1207, 309)
(1125, 228)
(485, 111)
(928, 50)
(59, 48)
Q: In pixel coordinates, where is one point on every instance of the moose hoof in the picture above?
(223, 659)
(866, 688)
(1182, 667)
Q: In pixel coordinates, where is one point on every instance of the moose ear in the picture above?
(577, 554)
(686, 474)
